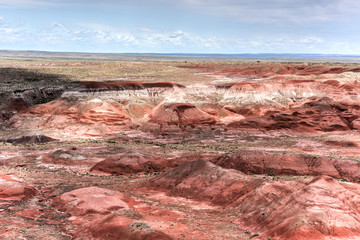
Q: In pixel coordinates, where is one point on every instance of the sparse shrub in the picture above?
(255, 235)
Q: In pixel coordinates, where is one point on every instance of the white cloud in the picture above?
(254, 11)
(312, 39)
(8, 31)
(8, 34)
(273, 11)
(177, 41)
(102, 38)
(27, 3)
(60, 3)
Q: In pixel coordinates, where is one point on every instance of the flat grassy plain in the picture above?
(142, 67)
(112, 71)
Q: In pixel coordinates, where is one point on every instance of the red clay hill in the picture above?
(317, 208)
(228, 151)
(314, 115)
(182, 115)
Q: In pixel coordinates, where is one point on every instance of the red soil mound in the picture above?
(298, 209)
(120, 220)
(74, 117)
(137, 111)
(120, 86)
(64, 157)
(355, 124)
(115, 227)
(203, 180)
(315, 115)
(91, 200)
(257, 162)
(256, 110)
(108, 114)
(349, 170)
(181, 115)
(129, 163)
(303, 209)
(95, 111)
(11, 189)
(216, 110)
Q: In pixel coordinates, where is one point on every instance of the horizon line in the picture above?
(189, 53)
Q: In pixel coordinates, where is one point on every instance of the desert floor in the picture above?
(179, 150)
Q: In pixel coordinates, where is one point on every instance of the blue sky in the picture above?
(182, 26)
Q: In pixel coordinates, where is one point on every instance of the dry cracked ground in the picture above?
(179, 150)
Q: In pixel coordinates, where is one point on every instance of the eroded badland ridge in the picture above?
(179, 150)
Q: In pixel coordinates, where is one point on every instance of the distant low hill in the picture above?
(269, 57)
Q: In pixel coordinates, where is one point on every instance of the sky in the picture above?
(181, 26)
